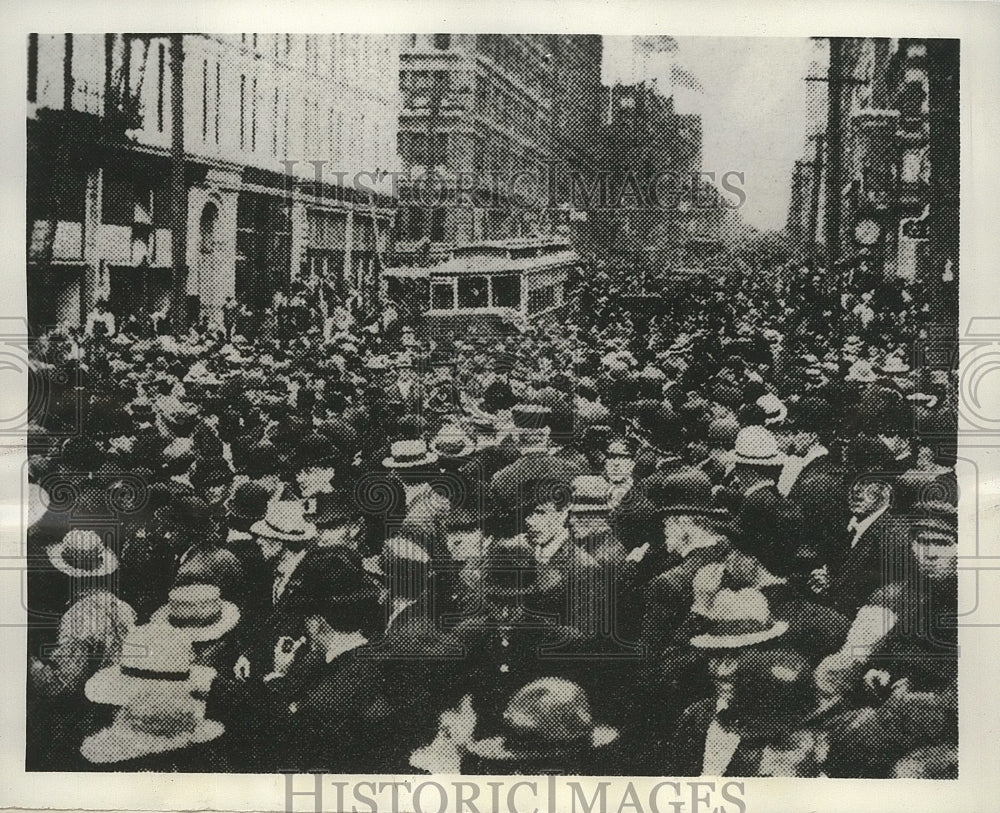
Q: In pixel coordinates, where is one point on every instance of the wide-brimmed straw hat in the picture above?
(591, 495)
(154, 658)
(82, 554)
(198, 611)
(757, 446)
(861, 372)
(738, 618)
(452, 441)
(408, 454)
(285, 521)
(151, 723)
(548, 717)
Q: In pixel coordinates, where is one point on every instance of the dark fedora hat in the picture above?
(684, 492)
(248, 504)
(497, 396)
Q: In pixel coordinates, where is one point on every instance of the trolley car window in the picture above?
(507, 292)
(541, 298)
(443, 296)
(473, 292)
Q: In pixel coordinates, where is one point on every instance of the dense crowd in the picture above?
(715, 538)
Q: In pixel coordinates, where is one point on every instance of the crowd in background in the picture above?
(715, 536)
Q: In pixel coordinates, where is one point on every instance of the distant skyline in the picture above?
(754, 106)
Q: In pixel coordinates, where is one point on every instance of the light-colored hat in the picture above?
(757, 446)
(82, 553)
(151, 723)
(406, 454)
(861, 372)
(894, 365)
(738, 618)
(154, 658)
(197, 611)
(591, 495)
(774, 408)
(453, 441)
(547, 716)
(285, 521)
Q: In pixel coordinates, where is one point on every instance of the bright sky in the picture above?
(755, 109)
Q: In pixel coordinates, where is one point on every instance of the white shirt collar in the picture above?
(399, 605)
(546, 551)
(814, 453)
(860, 526)
(289, 560)
(720, 746)
(344, 642)
(757, 487)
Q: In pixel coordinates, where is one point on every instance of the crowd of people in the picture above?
(717, 539)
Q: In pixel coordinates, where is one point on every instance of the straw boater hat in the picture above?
(861, 372)
(738, 618)
(151, 723)
(774, 408)
(452, 441)
(154, 658)
(285, 521)
(198, 611)
(546, 718)
(591, 495)
(408, 454)
(894, 366)
(82, 553)
(757, 446)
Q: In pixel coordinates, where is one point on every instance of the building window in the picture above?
(243, 110)
(32, 67)
(473, 292)
(161, 62)
(442, 42)
(507, 292)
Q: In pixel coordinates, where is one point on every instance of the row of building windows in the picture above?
(440, 42)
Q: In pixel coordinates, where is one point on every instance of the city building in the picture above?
(265, 117)
(659, 200)
(892, 156)
(485, 119)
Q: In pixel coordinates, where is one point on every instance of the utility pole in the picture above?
(833, 139)
(817, 180)
(178, 187)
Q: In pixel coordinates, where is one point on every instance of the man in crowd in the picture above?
(581, 519)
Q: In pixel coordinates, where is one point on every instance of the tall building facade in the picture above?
(657, 196)
(484, 119)
(894, 104)
(268, 121)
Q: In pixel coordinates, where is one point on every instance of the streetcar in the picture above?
(494, 286)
